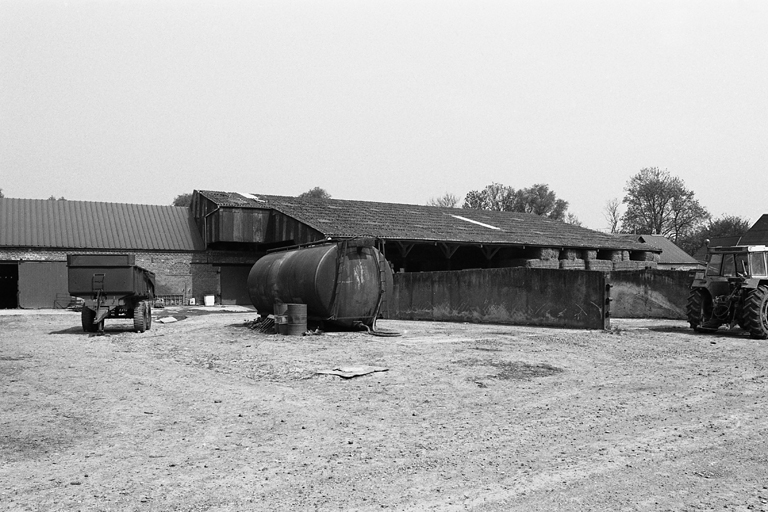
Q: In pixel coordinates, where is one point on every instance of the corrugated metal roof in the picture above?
(92, 225)
(393, 221)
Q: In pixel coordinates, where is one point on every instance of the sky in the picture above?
(391, 101)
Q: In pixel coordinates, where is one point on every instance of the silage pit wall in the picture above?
(514, 296)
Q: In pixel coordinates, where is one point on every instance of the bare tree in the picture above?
(612, 214)
(447, 200)
(572, 220)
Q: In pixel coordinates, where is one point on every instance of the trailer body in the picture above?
(111, 286)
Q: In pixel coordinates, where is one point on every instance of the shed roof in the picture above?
(338, 218)
(757, 234)
(671, 254)
(68, 224)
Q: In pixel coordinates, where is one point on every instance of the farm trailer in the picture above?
(112, 286)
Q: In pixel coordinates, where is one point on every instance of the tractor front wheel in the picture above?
(756, 312)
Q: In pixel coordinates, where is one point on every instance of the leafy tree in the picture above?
(612, 215)
(540, 200)
(660, 204)
(315, 193)
(182, 200)
(537, 199)
(447, 200)
(726, 225)
(495, 197)
(54, 198)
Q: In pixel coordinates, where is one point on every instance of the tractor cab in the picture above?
(738, 261)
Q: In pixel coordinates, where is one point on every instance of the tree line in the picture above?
(654, 203)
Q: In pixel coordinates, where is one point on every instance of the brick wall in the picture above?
(187, 274)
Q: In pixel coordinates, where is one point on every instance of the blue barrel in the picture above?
(342, 283)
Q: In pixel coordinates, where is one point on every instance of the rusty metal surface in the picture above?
(337, 283)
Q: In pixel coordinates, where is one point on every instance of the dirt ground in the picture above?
(208, 414)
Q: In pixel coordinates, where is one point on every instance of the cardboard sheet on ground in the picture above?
(347, 372)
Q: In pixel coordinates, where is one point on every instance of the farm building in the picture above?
(36, 236)
(413, 238)
(672, 257)
(209, 248)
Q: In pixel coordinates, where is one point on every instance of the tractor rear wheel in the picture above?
(87, 317)
(699, 308)
(756, 312)
(140, 317)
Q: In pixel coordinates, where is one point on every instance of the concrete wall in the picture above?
(649, 293)
(519, 296)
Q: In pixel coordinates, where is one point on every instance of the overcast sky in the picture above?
(395, 101)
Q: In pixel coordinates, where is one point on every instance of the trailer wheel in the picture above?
(699, 308)
(87, 317)
(756, 312)
(140, 317)
(148, 310)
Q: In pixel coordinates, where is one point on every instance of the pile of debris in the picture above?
(264, 325)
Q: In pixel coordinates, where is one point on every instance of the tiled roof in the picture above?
(671, 254)
(757, 234)
(90, 225)
(339, 218)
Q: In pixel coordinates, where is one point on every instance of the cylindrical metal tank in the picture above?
(342, 283)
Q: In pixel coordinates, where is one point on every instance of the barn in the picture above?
(209, 248)
(36, 236)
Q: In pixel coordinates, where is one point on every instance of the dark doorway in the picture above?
(9, 285)
(234, 284)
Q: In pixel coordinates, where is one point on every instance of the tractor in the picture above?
(732, 290)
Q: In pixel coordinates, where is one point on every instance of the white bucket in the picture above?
(192, 301)
(208, 300)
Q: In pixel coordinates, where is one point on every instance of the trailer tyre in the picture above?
(87, 317)
(140, 317)
(756, 312)
(148, 310)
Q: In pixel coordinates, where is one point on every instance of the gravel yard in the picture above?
(208, 414)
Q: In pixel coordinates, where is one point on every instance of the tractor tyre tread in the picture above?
(694, 310)
(756, 312)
